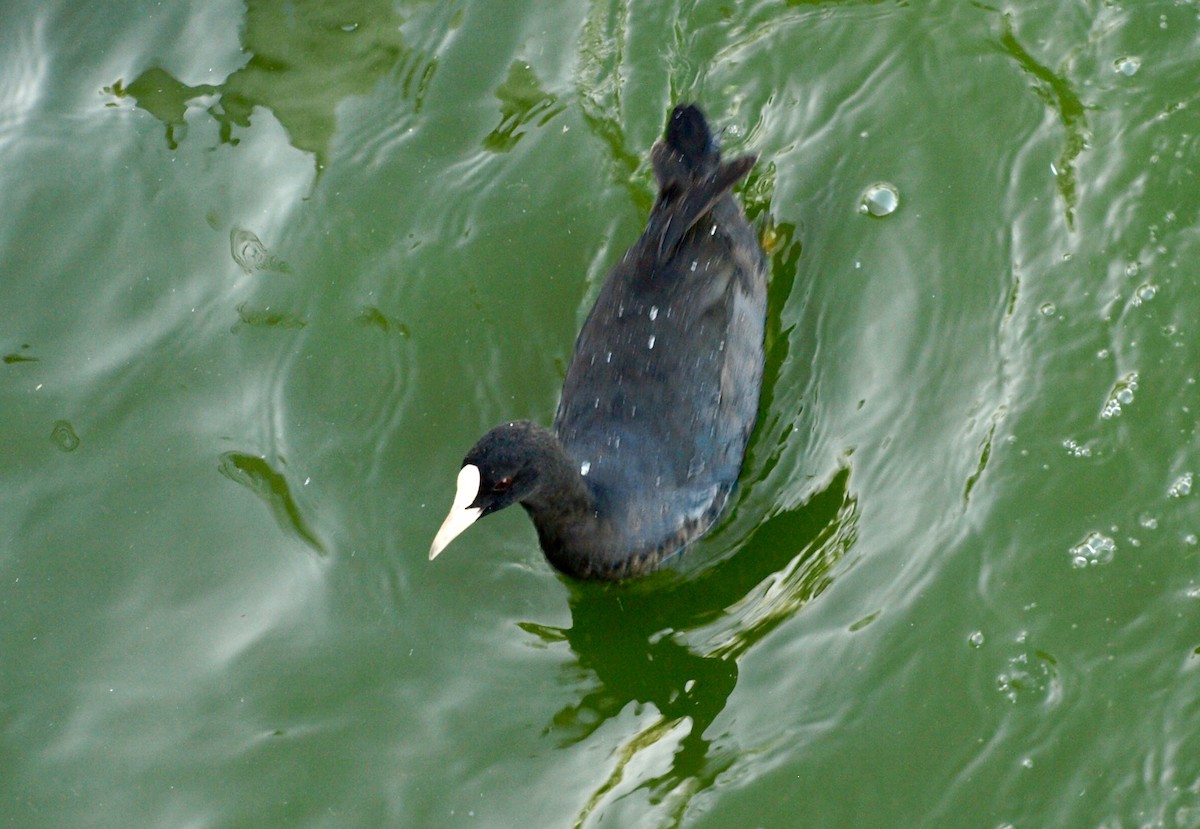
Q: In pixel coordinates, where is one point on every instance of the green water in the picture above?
(268, 270)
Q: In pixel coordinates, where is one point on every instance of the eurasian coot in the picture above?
(662, 391)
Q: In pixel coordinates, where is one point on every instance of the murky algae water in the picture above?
(269, 268)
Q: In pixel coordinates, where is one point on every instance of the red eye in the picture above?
(502, 484)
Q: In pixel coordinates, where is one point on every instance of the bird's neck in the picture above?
(565, 511)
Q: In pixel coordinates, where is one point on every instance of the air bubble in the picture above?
(1127, 66)
(880, 199)
(1048, 309)
(975, 640)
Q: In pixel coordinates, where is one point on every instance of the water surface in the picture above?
(271, 268)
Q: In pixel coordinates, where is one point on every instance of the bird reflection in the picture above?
(673, 643)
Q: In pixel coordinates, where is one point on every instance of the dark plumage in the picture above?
(662, 390)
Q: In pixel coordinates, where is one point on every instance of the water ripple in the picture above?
(252, 255)
(63, 436)
(23, 76)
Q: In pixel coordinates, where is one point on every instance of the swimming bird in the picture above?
(661, 393)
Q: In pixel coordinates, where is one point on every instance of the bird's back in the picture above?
(662, 391)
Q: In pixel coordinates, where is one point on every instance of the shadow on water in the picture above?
(673, 643)
(303, 61)
(1056, 91)
(523, 101)
(602, 47)
(258, 475)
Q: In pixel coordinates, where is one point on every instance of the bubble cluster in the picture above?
(1077, 450)
(1026, 677)
(1181, 486)
(1096, 548)
(1121, 395)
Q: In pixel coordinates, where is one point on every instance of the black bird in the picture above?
(662, 391)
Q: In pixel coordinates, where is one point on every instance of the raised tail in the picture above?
(691, 177)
